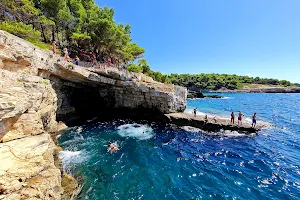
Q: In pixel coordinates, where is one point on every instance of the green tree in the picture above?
(144, 65)
(134, 68)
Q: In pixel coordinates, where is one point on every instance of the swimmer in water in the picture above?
(112, 148)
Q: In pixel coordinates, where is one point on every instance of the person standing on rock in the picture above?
(232, 118)
(54, 47)
(66, 54)
(195, 112)
(240, 117)
(205, 119)
(254, 120)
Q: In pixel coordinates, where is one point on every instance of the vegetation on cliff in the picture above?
(143, 67)
(218, 81)
(83, 26)
(76, 24)
(79, 25)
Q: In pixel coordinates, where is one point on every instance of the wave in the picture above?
(138, 131)
(228, 133)
(223, 133)
(70, 156)
(191, 129)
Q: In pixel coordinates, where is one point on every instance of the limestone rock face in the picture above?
(27, 169)
(27, 106)
(130, 90)
(27, 112)
(36, 87)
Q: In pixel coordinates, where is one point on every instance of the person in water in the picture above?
(254, 120)
(240, 117)
(232, 118)
(195, 112)
(112, 148)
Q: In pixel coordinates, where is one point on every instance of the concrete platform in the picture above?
(213, 125)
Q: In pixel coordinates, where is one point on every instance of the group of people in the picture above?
(66, 54)
(240, 118)
(92, 57)
(232, 119)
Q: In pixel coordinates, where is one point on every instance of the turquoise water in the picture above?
(159, 161)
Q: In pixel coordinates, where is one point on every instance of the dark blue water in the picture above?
(169, 162)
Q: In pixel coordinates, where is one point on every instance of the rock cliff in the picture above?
(27, 154)
(38, 89)
(80, 89)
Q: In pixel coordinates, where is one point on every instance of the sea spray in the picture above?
(138, 131)
(71, 158)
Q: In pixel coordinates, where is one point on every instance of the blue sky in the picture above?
(255, 37)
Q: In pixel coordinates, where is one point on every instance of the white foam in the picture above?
(228, 133)
(71, 157)
(191, 129)
(138, 131)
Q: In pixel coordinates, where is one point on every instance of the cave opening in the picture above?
(79, 104)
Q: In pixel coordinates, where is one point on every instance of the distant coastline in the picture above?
(260, 89)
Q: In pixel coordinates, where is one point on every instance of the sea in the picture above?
(164, 161)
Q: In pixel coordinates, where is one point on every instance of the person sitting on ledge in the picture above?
(215, 119)
(76, 60)
(68, 59)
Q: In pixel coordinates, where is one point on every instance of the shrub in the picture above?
(134, 68)
(21, 30)
(26, 32)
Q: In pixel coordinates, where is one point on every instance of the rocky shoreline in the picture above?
(200, 95)
(39, 93)
(265, 89)
(213, 124)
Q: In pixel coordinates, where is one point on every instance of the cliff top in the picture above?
(20, 56)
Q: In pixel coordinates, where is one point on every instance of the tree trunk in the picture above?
(57, 36)
(53, 33)
(43, 34)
